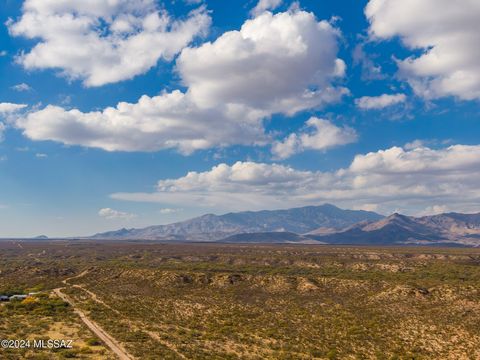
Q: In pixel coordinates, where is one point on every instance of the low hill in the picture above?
(269, 238)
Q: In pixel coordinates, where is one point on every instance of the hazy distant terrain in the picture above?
(226, 301)
(325, 224)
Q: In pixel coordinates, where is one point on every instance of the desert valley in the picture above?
(150, 300)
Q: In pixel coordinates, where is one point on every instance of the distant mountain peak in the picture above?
(397, 215)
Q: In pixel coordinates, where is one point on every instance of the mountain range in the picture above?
(211, 227)
(324, 224)
(443, 229)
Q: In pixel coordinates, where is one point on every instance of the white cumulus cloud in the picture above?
(103, 41)
(275, 63)
(168, 211)
(112, 214)
(414, 144)
(446, 32)
(410, 180)
(22, 87)
(8, 108)
(169, 120)
(282, 63)
(320, 134)
(379, 102)
(264, 5)
(418, 160)
(8, 112)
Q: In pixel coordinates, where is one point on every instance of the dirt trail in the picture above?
(95, 298)
(83, 273)
(92, 295)
(132, 324)
(113, 344)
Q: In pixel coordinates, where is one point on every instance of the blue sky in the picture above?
(265, 105)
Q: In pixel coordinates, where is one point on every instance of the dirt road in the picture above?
(113, 344)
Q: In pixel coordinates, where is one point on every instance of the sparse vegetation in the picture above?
(210, 301)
